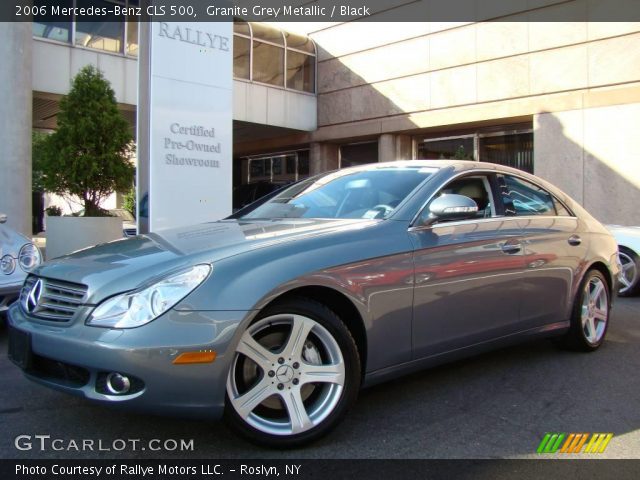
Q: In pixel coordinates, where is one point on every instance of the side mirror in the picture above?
(451, 207)
(3, 217)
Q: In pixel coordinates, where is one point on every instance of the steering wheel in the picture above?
(379, 211)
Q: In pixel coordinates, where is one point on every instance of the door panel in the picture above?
(553, 250)
(467, 283)
(550, 262)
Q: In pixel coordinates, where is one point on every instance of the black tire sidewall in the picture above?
(329, 320)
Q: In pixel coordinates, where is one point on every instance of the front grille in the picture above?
(57, 302)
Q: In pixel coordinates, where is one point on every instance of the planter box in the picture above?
(68, 234)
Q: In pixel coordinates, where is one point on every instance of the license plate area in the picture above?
(20, 348)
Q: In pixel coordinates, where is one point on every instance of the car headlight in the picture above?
(7, 264)
(29, 257)
(134, 309)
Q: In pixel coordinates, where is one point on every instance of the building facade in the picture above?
(558, 99)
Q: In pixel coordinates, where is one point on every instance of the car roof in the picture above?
(438, 164)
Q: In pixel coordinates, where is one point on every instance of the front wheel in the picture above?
(590, 316)
(295, 373)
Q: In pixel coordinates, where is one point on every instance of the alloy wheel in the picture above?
(629, 273)
(595, 310)
(287, 375)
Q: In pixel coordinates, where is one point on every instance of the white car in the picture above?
(628, 239)
(18, 256)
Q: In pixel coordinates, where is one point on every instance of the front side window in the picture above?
(523, 198)
(359, 193)
(476, 187)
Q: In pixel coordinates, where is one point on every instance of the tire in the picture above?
(287, 389)
(630, 278)
(590, 314)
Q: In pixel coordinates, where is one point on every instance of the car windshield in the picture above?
(355, 193)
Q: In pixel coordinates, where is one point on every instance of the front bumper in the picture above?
(75, 358)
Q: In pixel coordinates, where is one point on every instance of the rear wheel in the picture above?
(630, 275)
(295, 373)
(590, 317)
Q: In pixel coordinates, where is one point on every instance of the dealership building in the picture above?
(558, 99)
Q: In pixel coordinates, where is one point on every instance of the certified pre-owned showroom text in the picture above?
(45, 443)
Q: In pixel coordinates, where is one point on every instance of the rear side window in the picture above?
(524, 198)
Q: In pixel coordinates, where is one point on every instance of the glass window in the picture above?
(257, 169)
(241, 27)
(276, 166)
(291, 164)
(132, 31)
(267, 33)
(477, 188)
(358, 154)
(268, 64)
(525, 198)
(241, 57)
(363, 193)
(303, 163)
(445, 149)
(43, 27)
(300, 71)
(512, 150)
(107, 35)
(299, 42)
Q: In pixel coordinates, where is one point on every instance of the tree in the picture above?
(38, 149)
(88, 155)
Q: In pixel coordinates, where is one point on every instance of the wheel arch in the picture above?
(341, 305)
(608, 276)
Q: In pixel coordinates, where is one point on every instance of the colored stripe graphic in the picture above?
(598, 442)
(552, 442)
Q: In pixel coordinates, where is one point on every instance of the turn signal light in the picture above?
(195, 357)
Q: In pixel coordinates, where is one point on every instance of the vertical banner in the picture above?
(184, 123)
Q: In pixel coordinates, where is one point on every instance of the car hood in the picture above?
(11, 241)
(127, 264)
(625, 230)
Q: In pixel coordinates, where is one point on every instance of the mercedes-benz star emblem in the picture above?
(33, 298)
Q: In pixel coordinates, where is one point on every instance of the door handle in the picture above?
(511, 248)
(574, 240)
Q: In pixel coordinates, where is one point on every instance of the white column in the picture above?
(15, 124)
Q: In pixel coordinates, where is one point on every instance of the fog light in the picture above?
(117, 384)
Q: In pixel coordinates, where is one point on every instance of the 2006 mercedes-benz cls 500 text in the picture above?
(276, 316)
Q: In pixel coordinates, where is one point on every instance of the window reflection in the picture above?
(300, 71)
(108, 36)
(132, 30)
(241, 57)
(267, 33)
(268, 64)
(43, 27)
(260, 51)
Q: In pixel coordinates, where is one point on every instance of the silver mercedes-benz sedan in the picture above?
(278, 315)
(18, 257)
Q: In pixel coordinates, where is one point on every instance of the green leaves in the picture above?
(88, 155)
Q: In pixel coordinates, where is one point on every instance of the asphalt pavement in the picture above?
(497, 405)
